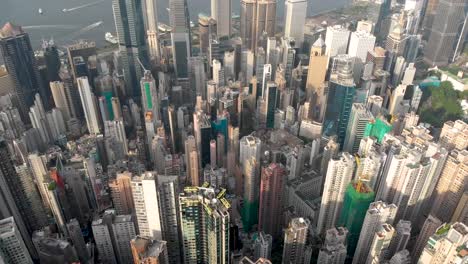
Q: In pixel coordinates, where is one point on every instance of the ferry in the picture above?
(111, 38)
(164, 28)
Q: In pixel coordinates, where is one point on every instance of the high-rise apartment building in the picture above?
(257, 16)
(295, 238)
(446, 245)
(378, 213)
(12, 245)
(130, 28)
(204, 219)
(339, 175)
(112, 234)
(121, 193)
(454, 134)
(451, 186)
(429, 228)
(271, 199)
(262, 245)
(380, 243)
(147, 209)
(16, 199)
(168, 191)
(294, 20)
(18, 55)
(62, 99)
(334, 249)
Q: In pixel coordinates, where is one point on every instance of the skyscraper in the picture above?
(257, 16)
(169, 208)
(150, 13)
(379, 213)
(88, 101)
(357, 199)
(334, 248)
(62, 99)
(221, 12)
(271, 98)
(446, 244)
(316, 74)
(130, 28)
(295, 238)
(204, 219)
(180, 36)
(147, 209)
(18, 56)
(149, 95)
(16, 199)
(380, 243)
(447, 33)
(12, 245)
(336, 40)
(112, 234)
(451, 185)
(262, 245)
(341, 92)
(251, 174)
(339, 175)
(357, 124)
(121, 193)
(429, 228)
(271, 199)
(360, 43)
(295, 16)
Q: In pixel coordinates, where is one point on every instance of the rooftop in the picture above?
(10, 30)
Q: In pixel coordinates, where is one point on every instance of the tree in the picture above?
(440, 104)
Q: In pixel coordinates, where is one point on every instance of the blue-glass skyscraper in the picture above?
(271, 102)
(180, 36)
(130, 28)
(15, 47)
(341, 92)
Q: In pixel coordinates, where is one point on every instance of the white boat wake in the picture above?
(49, 26)
(82, 6)
(85, 29)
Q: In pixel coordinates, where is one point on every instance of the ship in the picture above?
(164, 28)
(111, 38)
(40, 11)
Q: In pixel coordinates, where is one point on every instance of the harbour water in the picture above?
(91, 19)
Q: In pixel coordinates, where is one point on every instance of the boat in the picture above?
(164, 28)
(64, 10)
(40, 11)
(111, 38)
